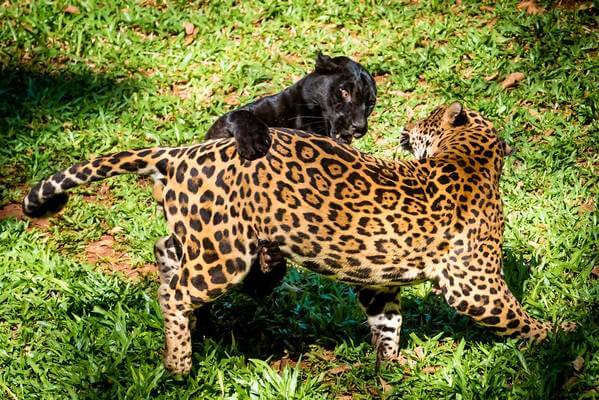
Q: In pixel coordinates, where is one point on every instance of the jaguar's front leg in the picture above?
(383, 308)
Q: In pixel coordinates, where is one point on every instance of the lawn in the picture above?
(78, 311)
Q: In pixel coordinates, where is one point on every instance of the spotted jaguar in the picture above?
(372, 223)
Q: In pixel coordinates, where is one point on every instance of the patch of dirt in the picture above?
(103, 254)
(14, 210)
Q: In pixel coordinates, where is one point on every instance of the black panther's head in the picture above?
(345, 93)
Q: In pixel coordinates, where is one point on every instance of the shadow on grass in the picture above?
(274, 328)
(38, 101)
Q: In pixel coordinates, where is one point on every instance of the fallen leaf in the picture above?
(339, 370)
(587, 206)
(419, 351)
(344, 397)
(71, 10)
(386, 387)
(595, 272)
(531, 7)
(181, 90)
(327, 355)
(189, 28)
(232, 99)
(379, 79)
(491, 77)
(512, 80)
(100, 249)
(571, 381)
(190, 33)
(578, 363)
(431, 369)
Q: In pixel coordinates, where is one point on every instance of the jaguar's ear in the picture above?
(455, 115)
(326, 64)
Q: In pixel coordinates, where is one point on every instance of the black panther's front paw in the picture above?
(254, 143)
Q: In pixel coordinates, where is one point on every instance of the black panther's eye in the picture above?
(345, 95)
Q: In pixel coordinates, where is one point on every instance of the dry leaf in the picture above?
(587, 207)
(189, 28)
(491, 77)
(571, 381)
(578, 363)
(232, 99)
(188, 40)
(71, 10)
(386, 387)
(327, 355)
(180, 90)
(595, 272)
(339, 370)
(190, 33)
(381, 78)
(101, 249)
(431, 369)
(419, 351)
(512, 80)
(531, 7)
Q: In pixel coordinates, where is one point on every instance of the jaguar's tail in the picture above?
(48, 196)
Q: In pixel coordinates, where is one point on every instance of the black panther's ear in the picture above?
(326, 64)
(507, 149)
(455, 115)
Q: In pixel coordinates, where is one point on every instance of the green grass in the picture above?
(119, 75)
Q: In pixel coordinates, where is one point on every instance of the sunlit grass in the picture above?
(120, 74)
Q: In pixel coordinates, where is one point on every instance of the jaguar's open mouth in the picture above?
(343, 138)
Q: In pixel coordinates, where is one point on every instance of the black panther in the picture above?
(334, 100)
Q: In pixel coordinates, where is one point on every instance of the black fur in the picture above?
(334, 100)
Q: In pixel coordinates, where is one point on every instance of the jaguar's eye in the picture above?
(345, 95)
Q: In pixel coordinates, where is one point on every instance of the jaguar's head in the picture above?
(346, 95)
(450, 126)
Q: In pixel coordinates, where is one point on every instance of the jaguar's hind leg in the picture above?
(177, 335)
(168, 254)
(383, 308)
(175, 306)
(489, 302)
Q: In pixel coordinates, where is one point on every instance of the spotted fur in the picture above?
(347, 215)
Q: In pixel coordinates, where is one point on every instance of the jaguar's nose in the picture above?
(359, 129)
